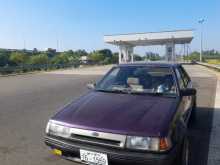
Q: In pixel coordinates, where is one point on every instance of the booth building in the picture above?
(127, 42)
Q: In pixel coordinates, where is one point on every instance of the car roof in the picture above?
(152, 64)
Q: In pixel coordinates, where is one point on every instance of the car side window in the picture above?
(179, 79)
(185, 77)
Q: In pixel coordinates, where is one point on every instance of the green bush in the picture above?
(205, 57)
(39, 59)
(60, 59)
(19, 58)
(4, 59)
(97, 57)
(213, 61)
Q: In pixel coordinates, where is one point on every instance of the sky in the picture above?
(81, 24)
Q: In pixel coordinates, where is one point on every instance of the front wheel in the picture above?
(185, 152)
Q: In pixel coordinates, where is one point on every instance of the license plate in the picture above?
(57, 152)
(93, 157)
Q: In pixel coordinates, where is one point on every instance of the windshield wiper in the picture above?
(153, 94)
(127, 91)
(112, 91)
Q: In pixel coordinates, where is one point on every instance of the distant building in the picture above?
(19, 50)
(84, 59)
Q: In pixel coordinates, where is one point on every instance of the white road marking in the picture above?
(214, 145)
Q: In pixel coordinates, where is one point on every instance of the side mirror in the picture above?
(188, 92)
(91, 85)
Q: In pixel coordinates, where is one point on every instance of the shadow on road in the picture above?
(199, 136)
(200, 130)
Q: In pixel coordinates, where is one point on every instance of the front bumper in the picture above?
(122, 156)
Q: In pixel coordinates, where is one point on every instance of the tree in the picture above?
(51, 52)
(35, 51)
(137, 57)
(81, 52)
(106, 52)
(96, 57)
(18, 58)
(103, 56)
(211, 54)
(114, 59)
(152, 56)
(39, 59)
(61, 59)
(4, 58)
(72, 56)
(193, 56)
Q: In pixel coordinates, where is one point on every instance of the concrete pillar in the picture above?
(170, 52)
(123, 52)
(119, 55)
(173, 52)
(187, 51)
(131, 53)
(184, 50)
(126, 54)
(132, 57)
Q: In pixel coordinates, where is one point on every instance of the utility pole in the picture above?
(57, 45)
(201, 21)
(24, 44)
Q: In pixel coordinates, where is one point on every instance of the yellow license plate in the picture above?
(57, 152)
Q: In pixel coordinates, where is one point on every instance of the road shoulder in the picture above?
(214, 145)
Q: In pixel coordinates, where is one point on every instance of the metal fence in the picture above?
(30, 68)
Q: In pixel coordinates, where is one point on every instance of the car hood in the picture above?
(137, 115)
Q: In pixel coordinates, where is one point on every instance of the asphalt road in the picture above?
(27, 101)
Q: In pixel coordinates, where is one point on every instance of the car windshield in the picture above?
(138, 80)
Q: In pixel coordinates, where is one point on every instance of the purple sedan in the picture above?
(136, 114)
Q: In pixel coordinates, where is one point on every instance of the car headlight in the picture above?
(56, 129)
(148, 143)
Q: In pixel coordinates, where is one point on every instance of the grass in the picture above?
(213, 61)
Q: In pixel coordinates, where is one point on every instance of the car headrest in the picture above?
(133, 81)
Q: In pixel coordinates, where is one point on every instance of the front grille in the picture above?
(95, 140)
(95, 137)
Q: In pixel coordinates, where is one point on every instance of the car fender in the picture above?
(178, 126)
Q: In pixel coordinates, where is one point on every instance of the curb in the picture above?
(215, 67)
(48, 71)
(17, 74)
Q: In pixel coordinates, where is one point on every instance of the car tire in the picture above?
(183, 156)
